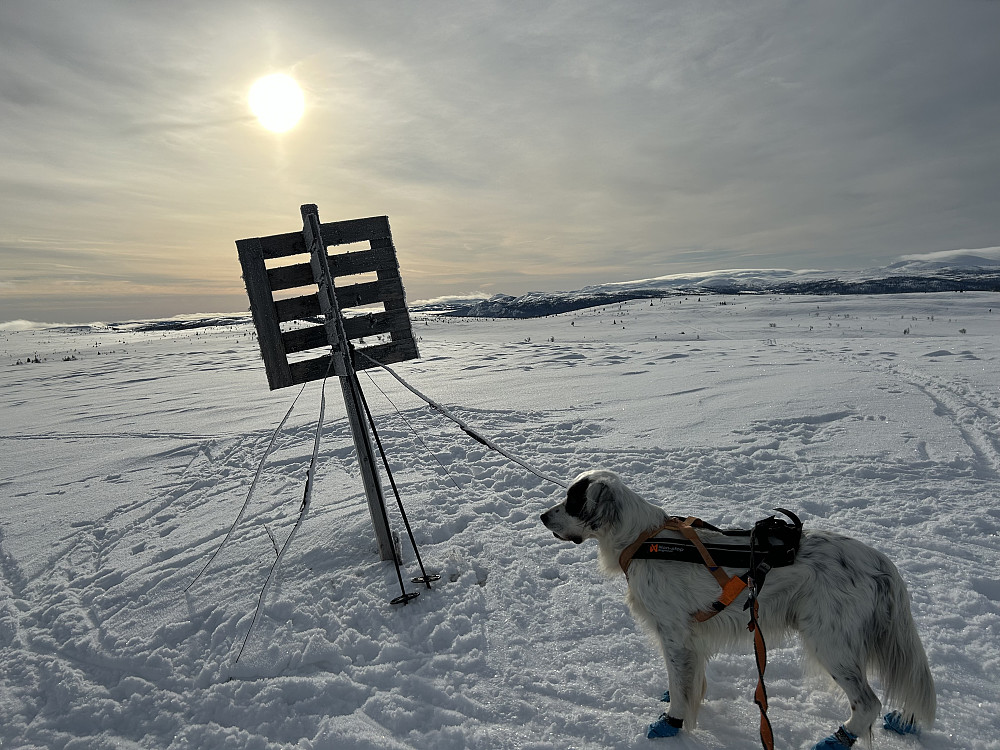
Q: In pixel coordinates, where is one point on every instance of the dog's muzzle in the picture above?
(546, 519)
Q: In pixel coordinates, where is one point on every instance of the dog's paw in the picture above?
(839, 740)
(665, 697)
(894, 722)
(665, 726)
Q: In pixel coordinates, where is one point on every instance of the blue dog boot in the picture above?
(894, 722)
(665, 697)
(665, 726)
(839, 740)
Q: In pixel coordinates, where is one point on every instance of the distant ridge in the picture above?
(539, 304)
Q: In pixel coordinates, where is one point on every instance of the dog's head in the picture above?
(590, 510)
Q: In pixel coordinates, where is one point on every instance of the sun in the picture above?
(277, 101)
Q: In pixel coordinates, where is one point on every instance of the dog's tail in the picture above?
(899, 657)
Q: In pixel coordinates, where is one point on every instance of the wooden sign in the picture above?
(322, 319)
(314, 319)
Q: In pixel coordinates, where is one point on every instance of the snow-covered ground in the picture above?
(122, 469)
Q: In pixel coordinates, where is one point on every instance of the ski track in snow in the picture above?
(121, 473)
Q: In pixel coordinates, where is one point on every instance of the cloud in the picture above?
(520, 146)
(446, 298)
(943, 256)
(21, 325)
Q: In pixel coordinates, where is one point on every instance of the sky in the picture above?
(514, 146)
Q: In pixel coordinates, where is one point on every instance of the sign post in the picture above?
(289, 326)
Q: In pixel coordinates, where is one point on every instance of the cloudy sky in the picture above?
(515, 146)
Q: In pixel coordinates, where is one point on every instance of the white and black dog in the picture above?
(845, 599)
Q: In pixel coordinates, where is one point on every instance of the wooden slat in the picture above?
(355, 230)
(386, 354)
(353, 295)
(363, 261)
(310, 369)
(303, 339)
(283, 245)
(396, 323)
(289, 277)
(381, 261)
(368, 293)
(265, 317)
(333, 233)
(375, 324)
(297, 308)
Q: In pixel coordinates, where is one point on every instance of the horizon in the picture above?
(953, 260)
(513, 148)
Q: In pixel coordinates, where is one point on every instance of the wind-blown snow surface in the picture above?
(121, 471)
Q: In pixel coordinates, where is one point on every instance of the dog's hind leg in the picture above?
(865, 705)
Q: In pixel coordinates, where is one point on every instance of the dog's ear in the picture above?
(576, 496)
(603, 508)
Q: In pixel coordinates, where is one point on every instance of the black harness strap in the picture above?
(726, 554)
(771, 543)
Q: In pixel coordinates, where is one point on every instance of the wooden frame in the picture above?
(269, 315)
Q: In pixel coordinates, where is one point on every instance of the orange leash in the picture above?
(760, 694)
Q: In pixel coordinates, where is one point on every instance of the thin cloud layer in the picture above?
(513, 146)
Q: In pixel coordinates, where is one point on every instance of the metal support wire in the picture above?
(413, 431)
(253, 486)
(303, 509)
(465, 428)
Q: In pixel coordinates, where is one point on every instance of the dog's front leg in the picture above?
(686, 673)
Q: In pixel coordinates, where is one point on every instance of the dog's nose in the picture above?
(545, 517)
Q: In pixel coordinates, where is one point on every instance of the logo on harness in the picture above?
(658, 548)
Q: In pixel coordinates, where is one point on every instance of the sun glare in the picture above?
(277, 101)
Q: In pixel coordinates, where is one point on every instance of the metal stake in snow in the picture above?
(297, 314)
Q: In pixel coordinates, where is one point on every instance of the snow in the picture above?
(121, 471)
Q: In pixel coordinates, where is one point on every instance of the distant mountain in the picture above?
(952, 273)
(540, 304)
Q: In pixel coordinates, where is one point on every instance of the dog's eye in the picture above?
(576, 497)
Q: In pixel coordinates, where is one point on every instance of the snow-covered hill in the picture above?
(965, 271)
(126, 452)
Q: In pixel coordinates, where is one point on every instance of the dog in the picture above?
(846, 601)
